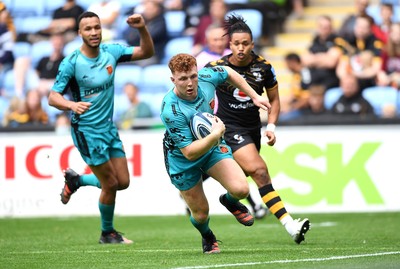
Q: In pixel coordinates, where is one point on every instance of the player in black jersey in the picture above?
(242, 118)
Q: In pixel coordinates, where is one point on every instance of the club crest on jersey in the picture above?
(223, 148)
(212, 104)
(258, 76)
(240, 96)
(109, 69)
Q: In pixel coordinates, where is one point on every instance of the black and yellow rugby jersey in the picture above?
(234, 107)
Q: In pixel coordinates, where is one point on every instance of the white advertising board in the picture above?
(314, 169)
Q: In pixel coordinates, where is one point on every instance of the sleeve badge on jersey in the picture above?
(218, 69)
(109, 69)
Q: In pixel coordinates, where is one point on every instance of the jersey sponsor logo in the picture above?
(241, 106)
(238, 138)
(99, 89)
(240, 96)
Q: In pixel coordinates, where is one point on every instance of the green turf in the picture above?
(335, 241)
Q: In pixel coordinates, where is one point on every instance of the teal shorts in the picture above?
(98, 148)
(185, 174)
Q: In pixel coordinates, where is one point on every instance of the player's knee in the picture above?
(200, 216)
(111, 185)
(123, 184)
(260, 176)
(241, 191)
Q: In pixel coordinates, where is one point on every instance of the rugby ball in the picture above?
(201, 124)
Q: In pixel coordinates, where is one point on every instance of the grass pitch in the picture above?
(367, 240)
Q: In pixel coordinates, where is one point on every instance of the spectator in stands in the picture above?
(351, 102)
(153, 14)
(26, 112)
(64, 21)
(63, 124)
(33, 103)
(323, 55)
(297, 98)
(390, 73)
(355, 59)
(215, 15)
(15, 115)
(108, 11)
(136, 109)
(346, 29)
(194, 10)
(381, 29)
(47, 67)
(315, 106)
(216, 47)
(7, 38)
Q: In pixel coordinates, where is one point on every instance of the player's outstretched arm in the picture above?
(239, 82)
(146, 48)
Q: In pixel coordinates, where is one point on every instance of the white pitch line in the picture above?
(290, 261)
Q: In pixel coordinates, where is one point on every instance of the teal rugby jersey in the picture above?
(176, 112)
(92, 80)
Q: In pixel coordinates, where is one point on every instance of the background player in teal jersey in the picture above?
(243, 122)
(89, 74)
(187, 159)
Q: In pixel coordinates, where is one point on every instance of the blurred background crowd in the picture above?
(336, 61)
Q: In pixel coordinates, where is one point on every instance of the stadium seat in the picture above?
(39, 50)
(22, 49)
(128, 5)
(24, 8)
(253, 19)
(127, 73)
(72, 45)
(32, 81)
(331, 96)
(175, 20)
(34, 24)
(85, 3)
(156, 79)
(4, 103)
(177, 45)
(379, 97)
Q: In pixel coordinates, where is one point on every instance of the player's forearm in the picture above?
(146, 42)
(274, 99)
(200, 147)
(56, 100)
(273, 116)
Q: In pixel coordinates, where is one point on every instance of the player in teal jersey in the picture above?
(187, 159)
(88, 73)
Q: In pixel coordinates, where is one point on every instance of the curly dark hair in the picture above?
(236, 24)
